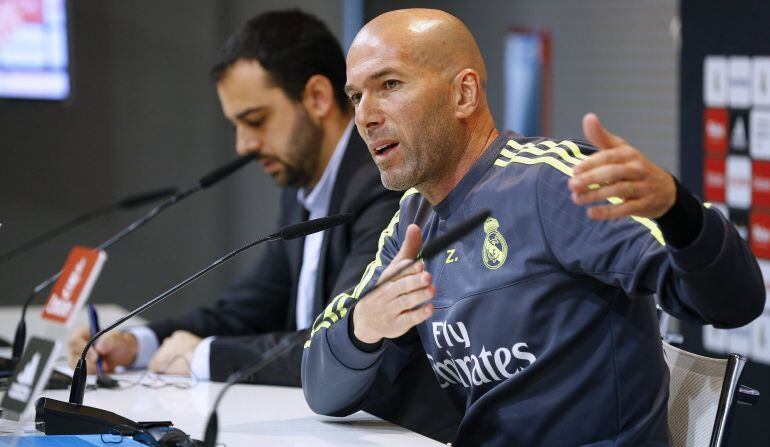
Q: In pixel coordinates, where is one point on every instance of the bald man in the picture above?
(541, 325)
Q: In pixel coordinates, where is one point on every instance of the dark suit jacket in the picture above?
(258, 312)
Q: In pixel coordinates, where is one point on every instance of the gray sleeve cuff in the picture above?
(705, 249)
(345, 351)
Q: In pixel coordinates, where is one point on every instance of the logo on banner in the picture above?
(716, 122)
(715, 82)
(740, 68)
(759, 129)
(761, 81)
(738, 137)
(714, 180)
(74, 284)
(760, 234)
(760, 181)
(738, 193)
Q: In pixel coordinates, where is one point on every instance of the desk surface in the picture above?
(249, 415)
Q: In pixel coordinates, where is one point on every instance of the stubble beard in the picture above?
(428, 157)
(304, 152)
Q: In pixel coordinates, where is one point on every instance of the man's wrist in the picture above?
(130, 340)
(682, 223)
(358, 342)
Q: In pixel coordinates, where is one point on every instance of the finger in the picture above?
(91, 358)
(410, 248)
(624, 189)
(409, 301)
(620, 155)
(157, 360)
(79, 337)
(407, 285)
(597, 135)
(620, 210)
(601, 176)
(75, 348)
(91, 367)
(412, 318)
(401, 269)
(106, 344)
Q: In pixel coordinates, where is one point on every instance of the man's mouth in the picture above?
(269, 165)
(382, 148)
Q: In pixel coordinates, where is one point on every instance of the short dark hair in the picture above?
(291, 46)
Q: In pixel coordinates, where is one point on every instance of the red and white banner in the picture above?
(74, 285)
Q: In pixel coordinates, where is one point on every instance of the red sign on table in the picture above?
(74, 284)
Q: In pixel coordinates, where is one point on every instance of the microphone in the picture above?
(432, 248)
(311, 226)
(204, 182)
(127, 203)
(56, 417)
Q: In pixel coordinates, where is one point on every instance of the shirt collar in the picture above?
(479, 168)
(316, 200)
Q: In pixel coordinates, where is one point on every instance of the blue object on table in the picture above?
(68, 441)
(94, 319)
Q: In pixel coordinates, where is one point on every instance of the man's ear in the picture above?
(318, 96)
(467, 86)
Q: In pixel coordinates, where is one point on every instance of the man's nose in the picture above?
(246, 142)
(368, 113)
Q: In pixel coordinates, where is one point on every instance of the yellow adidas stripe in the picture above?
(574, 159)
(336, 310)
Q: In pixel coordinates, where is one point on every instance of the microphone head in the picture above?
(146, 197)
(223, 171)
(440, 243)
(312, 226)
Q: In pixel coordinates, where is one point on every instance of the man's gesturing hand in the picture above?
(619, 170)
(390, 311)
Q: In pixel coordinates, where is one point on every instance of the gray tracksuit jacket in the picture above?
(545, 330)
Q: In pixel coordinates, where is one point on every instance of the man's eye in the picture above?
(255, 123)
(391, 84)
(355, 98)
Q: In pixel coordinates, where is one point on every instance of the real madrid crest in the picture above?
(495, 249)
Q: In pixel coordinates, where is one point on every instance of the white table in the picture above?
(249, 415)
